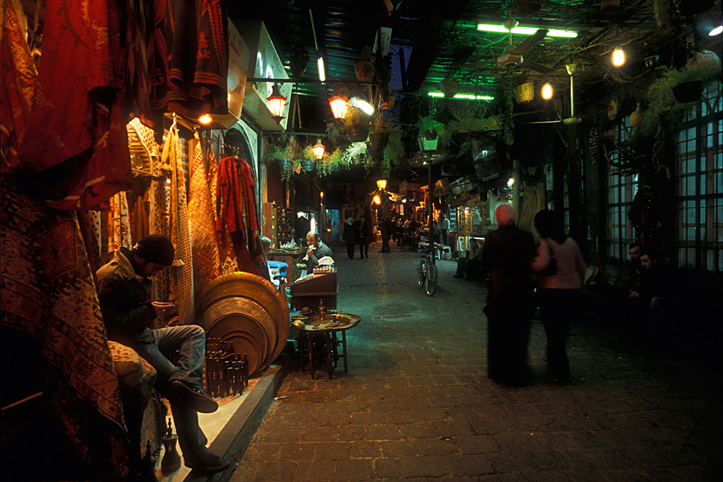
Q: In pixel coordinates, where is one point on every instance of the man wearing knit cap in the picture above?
(506, 257)
(124, 288)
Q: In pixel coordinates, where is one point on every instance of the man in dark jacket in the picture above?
(124, 287)
(506, 257)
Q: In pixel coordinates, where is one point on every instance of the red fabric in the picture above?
(76, 124)
(190, 84)
(17, 88)
(237, 216)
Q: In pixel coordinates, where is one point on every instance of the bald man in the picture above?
(506, 257)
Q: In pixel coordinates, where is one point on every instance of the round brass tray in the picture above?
(250, 297)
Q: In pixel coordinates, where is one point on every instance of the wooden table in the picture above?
(323, 333)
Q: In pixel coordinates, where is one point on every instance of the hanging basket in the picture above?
(308, 165)
(688, 91)
(526, 92)
(377, 143)
(358, 132)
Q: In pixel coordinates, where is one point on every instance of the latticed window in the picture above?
(621, 189)
(700, 184)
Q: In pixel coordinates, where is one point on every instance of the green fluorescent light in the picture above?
(463, 96)
(487, 27)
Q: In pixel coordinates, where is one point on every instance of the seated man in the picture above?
(650, 296)
(470, 267)
(124, 287)
(316, 250)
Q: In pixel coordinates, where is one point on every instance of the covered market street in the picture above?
(416, 403)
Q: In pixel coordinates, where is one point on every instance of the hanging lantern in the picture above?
(276, 103)
(338, 103)
(382, 184)
(547, 91)
(618, 57)
(318, 149)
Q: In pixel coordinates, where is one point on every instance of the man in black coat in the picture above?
(506, 257)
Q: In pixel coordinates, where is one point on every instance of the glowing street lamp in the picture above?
(276, 103)
(318, 149)
(618, 57)
(338, 103)
(382, 184)
(547, 91)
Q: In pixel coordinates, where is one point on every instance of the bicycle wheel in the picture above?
(430, 285)
(421, 272)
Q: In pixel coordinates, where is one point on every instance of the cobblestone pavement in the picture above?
(417, 405)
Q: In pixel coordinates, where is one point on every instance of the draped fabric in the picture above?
(531, 203)
(119, 223)
(48, 293)
(227, 255)
(190, 57)
(182, 269)
(75, 147)
(237, 214)
(204, 245)
(17, 88)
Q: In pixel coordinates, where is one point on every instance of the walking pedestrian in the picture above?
(506, 257)
(560, 273)
(363, 233)
(350, 237)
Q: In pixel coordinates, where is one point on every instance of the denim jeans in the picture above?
(189, 340)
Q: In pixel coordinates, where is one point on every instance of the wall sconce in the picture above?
(547, 91)
(276, 103)
(382, 184)
(338, 103)
(318, 149)
(618, 57)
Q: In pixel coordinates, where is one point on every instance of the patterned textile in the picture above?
(204, 246)
(182, 270)
(48, 293)
(225, 244)
(120, 227)
(81, 158)
(134, 373)
(17, 88)
(90, 227)
(237, 214)
(183, 82)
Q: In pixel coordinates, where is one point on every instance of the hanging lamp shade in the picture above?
(339, 103)
(382, 184)
(276, 103)
(318, 149)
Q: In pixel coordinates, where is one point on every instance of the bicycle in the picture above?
(427, 270)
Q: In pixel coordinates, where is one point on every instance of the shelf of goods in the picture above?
(283, 222)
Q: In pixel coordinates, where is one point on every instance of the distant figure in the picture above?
(635, 268)
(651, 319)
(350, 237)
(363, 234)
(560, 273)
(469, 267)
(316, 250)
(444, 226)
(506, 256)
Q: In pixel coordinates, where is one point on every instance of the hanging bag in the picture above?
(551, 268)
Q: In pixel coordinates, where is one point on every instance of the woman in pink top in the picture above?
(560, 272)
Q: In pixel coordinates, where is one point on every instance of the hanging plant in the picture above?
(356, 124)
(702, 68)
(288, 169)
(274, 152)
(429, 128)
(356, 153)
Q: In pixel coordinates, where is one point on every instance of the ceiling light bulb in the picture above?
(618, 57)
(547, 91)
(716, 31)
(205, 119)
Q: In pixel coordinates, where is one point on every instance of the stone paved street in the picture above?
(417, 405)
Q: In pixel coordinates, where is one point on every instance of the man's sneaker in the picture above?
(202, 402)
(206, 461)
